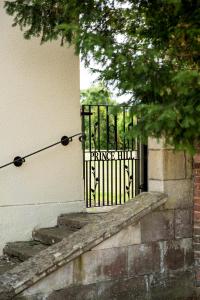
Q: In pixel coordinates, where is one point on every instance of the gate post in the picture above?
(170, 172)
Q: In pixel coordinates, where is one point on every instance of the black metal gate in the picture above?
(115, 164)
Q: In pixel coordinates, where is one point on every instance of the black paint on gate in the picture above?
(115, 164)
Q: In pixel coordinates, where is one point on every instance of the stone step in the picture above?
(17, 252)
(23, 250)
(77, 220)
(50, 236)
(7, 264)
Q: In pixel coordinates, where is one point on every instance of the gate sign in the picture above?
(110, 155)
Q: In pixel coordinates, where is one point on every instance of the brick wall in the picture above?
(196, 230)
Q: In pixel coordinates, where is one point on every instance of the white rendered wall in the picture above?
(39, 103)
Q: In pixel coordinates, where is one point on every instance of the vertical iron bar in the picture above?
(90, 148)
(90, 135)
(103, 194)
(107, 128)
(124, 141)
(116, 163)
(124, 182)
(99, 135)
(139, 167)
(136, 177)
(120, 181)
(116, 148)
(86, 184)
(111, 183)
(128, 161)
(132, 140)
(133, 178)
(124, 127)
(99, 148)
(108, 139)
(115, 126)
(133, 163)
(141, 178)
(83, 150)
(145, 168)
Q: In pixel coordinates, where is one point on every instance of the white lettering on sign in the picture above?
(110, 155)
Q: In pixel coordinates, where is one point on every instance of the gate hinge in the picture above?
(86, 113)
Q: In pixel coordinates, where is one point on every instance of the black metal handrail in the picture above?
(65, 140)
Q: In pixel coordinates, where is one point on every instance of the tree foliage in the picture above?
(106, 112)
(97, 95)
(148, 49)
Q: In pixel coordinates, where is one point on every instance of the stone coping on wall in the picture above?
(41, 265)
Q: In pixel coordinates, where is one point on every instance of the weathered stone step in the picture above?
(23, 250)
(50, 236)
(77, 220)
(7, 264)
